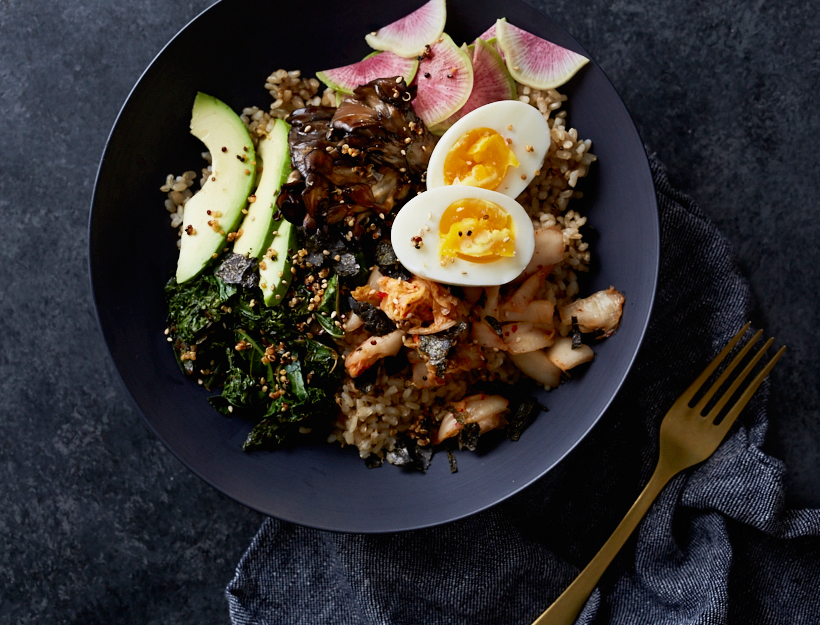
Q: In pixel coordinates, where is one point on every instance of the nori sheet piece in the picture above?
(347, 265)
(451, 458)
(388, 262)
(373, 461)
(437, 346)
(495, 325)
(576, 334)
(521, 416)
(385, 255)
(375, 321)
(239, 269)
(365, 382)
(468, 437)
(408, 453)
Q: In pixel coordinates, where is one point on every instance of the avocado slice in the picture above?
(263, 236)
(216, 210)
(259, 224)
(275, 266)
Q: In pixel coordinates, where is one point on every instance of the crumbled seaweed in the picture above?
(240, 270)
(400, 456)
(437, 346)
(468, 436)
(398, 272)
(375, 321)
(495, 325)
(451, 459)
(373, 461)
(576, 334)
(388, 262)
(424, 456)
(366, 382)
(521, 416)
(347, 265)
(317, 243)
(408, 453)
(436, 349)
(385, 255)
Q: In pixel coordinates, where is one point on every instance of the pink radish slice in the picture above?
(534, 61)
(488, 35)
(377, 65)
(408, 36)
(444, 80)
(491, 83)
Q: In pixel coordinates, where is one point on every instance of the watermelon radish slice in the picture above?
(534, 61)
(488, 35)
(408, 36)
(376, 65)
(491, 83)
(444, 80)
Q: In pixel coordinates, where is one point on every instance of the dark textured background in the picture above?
(98, 522)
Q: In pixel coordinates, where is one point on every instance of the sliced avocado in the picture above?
(258, 226)
(275, 266)
(216, 210)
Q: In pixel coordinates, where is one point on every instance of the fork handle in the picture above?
(566, 608)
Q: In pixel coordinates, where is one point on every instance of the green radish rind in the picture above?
(376, 65)
(408, 36)
(491, 83)
(536, 62)
(444, 81)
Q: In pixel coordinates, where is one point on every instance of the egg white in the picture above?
(529, 128)
(421, 217)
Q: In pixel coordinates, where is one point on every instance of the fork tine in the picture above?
(689, 393)
(730, 417)
(741, 376)
(707, 396)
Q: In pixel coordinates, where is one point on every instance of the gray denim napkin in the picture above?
(718, 546)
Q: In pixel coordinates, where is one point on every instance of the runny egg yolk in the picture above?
(475, 230)
(479, 158)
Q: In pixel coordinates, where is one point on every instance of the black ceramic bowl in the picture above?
(133, 253)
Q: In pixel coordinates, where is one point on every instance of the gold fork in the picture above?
(687, 437)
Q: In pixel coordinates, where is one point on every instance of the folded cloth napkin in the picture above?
(718, 545)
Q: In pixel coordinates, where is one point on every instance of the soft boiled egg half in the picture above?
(500, 146)
(464, 236)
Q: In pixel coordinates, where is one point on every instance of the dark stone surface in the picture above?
(99, 523)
